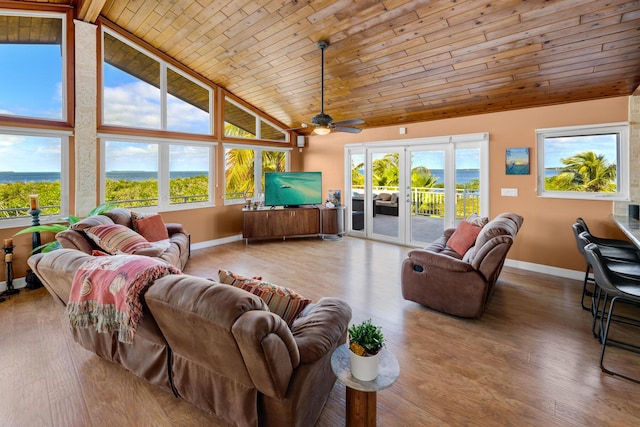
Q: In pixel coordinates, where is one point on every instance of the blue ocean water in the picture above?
(126, 175)
(462, 175)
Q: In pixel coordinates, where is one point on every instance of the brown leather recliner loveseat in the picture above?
(440, 278)
(218, 346)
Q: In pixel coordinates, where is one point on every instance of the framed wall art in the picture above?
(517, 161)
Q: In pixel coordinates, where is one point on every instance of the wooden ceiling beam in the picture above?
(89, 10)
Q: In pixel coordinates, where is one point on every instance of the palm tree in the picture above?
(386, 170)
(239, 173)
(357, 177)
(421, 177)
(587, 172)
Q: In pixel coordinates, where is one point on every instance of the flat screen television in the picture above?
(292, 188)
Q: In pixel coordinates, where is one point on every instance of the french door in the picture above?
(407, 192)
(430, 190)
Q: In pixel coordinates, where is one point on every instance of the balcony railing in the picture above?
(430, 201)
(53, 210)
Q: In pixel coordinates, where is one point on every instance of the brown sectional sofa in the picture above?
(219, 347)
(177, 254)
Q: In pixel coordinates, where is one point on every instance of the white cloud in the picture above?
(134, 104)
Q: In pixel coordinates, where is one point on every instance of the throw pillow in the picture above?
(384, 197)
(150, 227)
(478, 220)
(282, 301)
(464, 237)
(116, 239)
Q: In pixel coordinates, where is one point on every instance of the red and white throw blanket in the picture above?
(106, 292)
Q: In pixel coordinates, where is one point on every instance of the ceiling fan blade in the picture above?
(349, 122)
(347, 129)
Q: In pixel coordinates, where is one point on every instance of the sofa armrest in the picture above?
(433, 260)
(321, 328)
(173, 228)
(269, 351)
(490, 257)
(56, 270)
(72, 239)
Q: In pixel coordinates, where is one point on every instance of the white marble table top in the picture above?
(388, 372)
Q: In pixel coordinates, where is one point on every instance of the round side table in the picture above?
(361, 395)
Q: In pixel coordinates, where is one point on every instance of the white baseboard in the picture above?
(18, 283)
(216, 242)
(545, 269)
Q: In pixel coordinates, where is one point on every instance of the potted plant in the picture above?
(365, 342)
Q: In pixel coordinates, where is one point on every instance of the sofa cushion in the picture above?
(478, 220)
(282, 301)
(151, 227)
(116, 239)
(464, 237)
(384, 197)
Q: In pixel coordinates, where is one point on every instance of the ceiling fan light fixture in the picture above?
(322, 130)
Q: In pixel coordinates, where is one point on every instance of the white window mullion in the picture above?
(257, 174)
(163, 176)
(163, 96)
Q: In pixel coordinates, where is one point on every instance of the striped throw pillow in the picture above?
(282, 301)
(116, 239)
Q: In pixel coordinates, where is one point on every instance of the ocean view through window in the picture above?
(157, 174)
(32, 163)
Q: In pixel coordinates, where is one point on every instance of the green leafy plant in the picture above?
(366, 339)
(56, 228)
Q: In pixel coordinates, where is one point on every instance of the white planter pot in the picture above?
(364, 368)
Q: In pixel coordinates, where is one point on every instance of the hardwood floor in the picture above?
(530, 360)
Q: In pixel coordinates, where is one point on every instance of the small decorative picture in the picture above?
(334, 197)
(517, 161)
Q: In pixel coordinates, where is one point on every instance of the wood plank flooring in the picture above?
(530, 360)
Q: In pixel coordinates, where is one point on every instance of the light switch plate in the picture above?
(509, 192)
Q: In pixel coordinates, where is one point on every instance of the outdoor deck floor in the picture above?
(423, 229)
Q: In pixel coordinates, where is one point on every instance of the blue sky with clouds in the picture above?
(131, 102)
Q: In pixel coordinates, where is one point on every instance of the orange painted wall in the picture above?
(546, 237)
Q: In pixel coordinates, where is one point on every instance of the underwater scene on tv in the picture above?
(292, 188)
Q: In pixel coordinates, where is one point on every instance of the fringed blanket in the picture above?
(106, 292)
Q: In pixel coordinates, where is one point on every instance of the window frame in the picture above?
(164, 144)
(64, 137)
(68, 73)
(622, 160)
(164, 65)
(257, 170)
(258, 120)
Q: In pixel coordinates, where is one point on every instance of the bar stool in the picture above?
(616, 288)
(623, 253)
(628, 268)
(616, 243)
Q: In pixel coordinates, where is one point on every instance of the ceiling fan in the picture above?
(322, 122)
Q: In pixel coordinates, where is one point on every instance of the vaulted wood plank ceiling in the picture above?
(394, 61)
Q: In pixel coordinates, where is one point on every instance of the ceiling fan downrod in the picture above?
(322, 120)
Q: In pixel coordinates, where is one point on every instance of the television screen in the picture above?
(292, 188)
